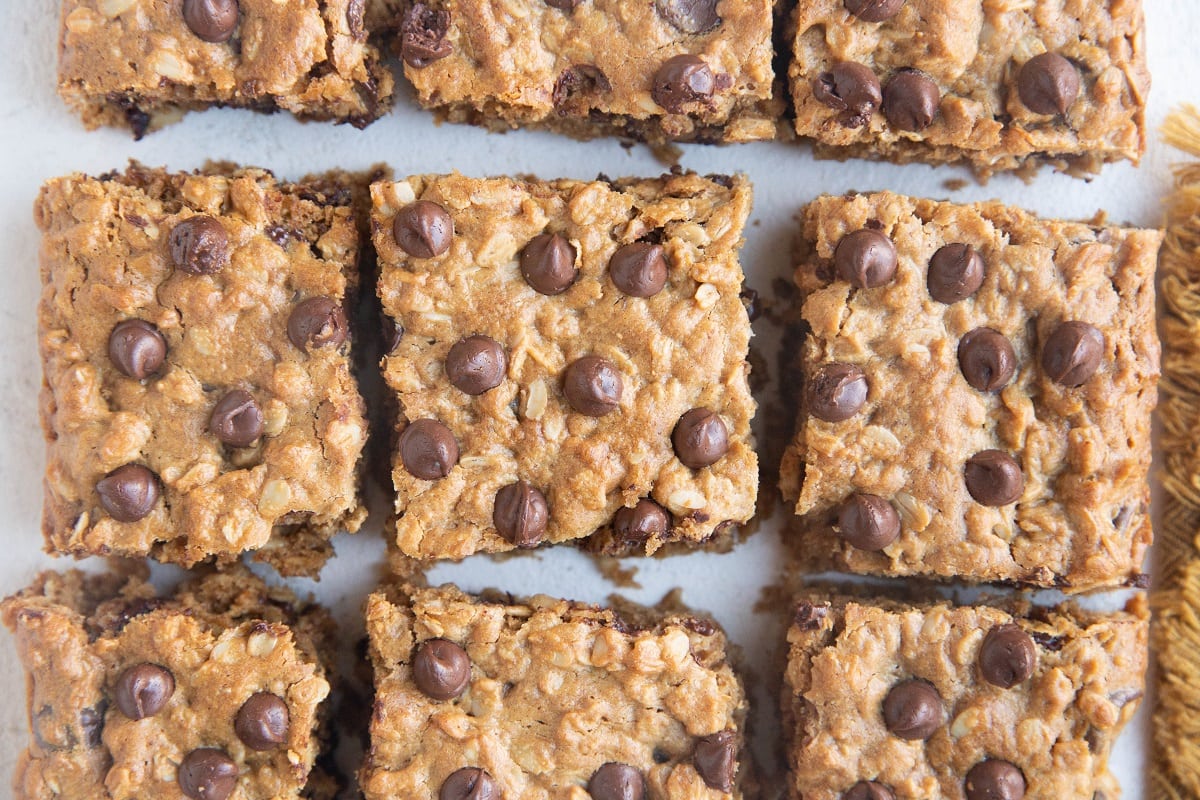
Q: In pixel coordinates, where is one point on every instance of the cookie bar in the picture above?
(142, 63)
(198, 400)
(998, 85)
(668, 70)
(503, 698)
(573, 360)
(886, 701)
(216, 690)
(978, 384)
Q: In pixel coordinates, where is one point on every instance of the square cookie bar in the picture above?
(998, 85)
(496, 698)
(141, 63)
(655, 71)
(978, 385)
(573, 360)
(214, 691)
(886, 701)
(198, 401)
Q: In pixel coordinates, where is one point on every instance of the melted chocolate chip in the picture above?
(469, 783)
(577, 87)
(423, 229)
(874, 10)
(637, 525)
(913, 710)
(808, 617)
(836, 392)
(866, 258)
(851, 88)
(520, 514)
(199, 245)
(614, 781)
(911, 100)
(868, 522)
(1048, 84)
(441, 669)
(986, 359)
(994, 478)
(392, 333)
(317, 322)
(1072, 353)
(237, 420)
(593, 386)
(715, 760)
(869, 790)
(136, 348)
(564, 5)
(423, 36)
(207, 774)
(263, 721)
(476, 364)
(128, 493)
(689, 16)
(956, 272)
(356, 11)
(1007, 656)
(213, 21)
(143, 690)
(994, 779)
(700, 438)
(548, 263)
(682, 80)
(428, 449)
(639, 269)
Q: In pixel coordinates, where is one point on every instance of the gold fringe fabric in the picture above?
(1176, 773)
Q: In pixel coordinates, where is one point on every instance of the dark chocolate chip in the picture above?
(986, 359)
(913, 710)
(1073, 353)
(423, 35)
(910, 100)
(874, 10)
(682, 80)
(207, 774)
(1048, 84)
(994, 478)
(262, 722)
(469, 783)
(869, 790)
(1048, 641)
(752, 302)
(836, 391)
(956, 272)
(868, 522)
(866, 258)
(637, 525)
(639, 269)
(136, 348)
(614, 781)
(577, 86)
(593, 386)
(564, 5)
(441, 669)
(715, 760)
(317, 322)
(808, 617)
(1007, 656)
(548, 263)
(428, 449)
(356, 11)
(128, 493)
(237, 420)
(851, 88)
(700, 438)
(91, 720)
(994, 779)
(143, 690)
(199, 245)
(520, 514)
(423, 229)
(689, 16)
(393, 332)
(213, 21)
(476, 364)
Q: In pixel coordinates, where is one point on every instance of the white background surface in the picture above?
(39, 140)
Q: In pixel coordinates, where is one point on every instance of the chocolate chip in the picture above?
(356, 11)
(1049, 641)
(1048, 84)
(752, 302)
(646, 520)
(955, 273)
(700, 438)
(615, 781)
(392, 333)
(199, 245)
(237, 420)
(577, 86)
(593, 386)
(836, 392)
(91, 720)
(211, 20)
(1007, 656)
(520, 514)
(423, 35)
(639, 269)
(682, 80)
(874, 10)
(869, 790)
(866, 258)
(986, 359)
(994, 779)
(262, 722)
(564, 5)
(428, 449)
(317, 322)
(868, 522)
(441, 669)
(994, 478)
(910, 100)
(207, 774)
(136, 348)
(689, 16)
(851, 88)
(469, 783)
(143, 690)
(913, 710)
(128, 493)
(1073, 353)
(423, 229)
(715, 760)
(548, 263)
(476, 364)
(808, 617)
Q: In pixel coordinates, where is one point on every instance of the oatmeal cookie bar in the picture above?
(978, 384)
(216, 690)
(198, 401)
(573, 360)
(998, 85)
(886, 701)
(657, 71)
(142, 63)
(496, 697)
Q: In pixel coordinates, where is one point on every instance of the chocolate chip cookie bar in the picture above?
(886, 701)
(214, 691)
(978, 384)
(494, 697)
(141, 63)
(573, 360)
(198, 401)
(997, 85)
(659, 71)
